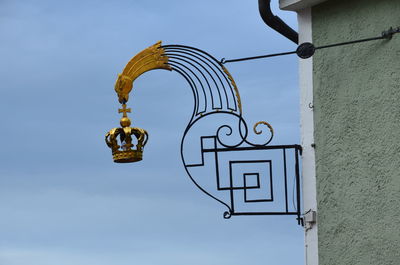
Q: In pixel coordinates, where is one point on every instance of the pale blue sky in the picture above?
(62, 199)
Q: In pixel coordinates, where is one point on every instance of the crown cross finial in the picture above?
(126, 142)
(124, 110)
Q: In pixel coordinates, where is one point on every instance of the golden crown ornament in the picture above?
(125, 148)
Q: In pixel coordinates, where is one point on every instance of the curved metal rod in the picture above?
(201, 84)
(187, 77)
(240, 119)
(184, 59)
(192, 86)
(254, 130)
(205, 68)
(227, 214)
(226, 126)
(202, 74)
(203, 190)
(192, 48)
(175, 46)
(213, 66)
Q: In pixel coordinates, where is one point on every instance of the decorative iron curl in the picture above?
(241, 122)
(265, 123)
(271, 130)
(244, 133)
(243, 130)
(227, 214)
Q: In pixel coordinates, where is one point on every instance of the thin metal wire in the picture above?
(349, 42)
(223, 61)
(385, 35)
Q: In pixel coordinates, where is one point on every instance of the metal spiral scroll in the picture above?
(215, 93)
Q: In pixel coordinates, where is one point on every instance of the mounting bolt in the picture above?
(305, 50)
(310, 218)
(388, 34)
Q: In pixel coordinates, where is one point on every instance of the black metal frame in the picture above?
(232, 188)
(215, 93)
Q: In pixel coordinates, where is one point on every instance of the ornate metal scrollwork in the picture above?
(216, 94)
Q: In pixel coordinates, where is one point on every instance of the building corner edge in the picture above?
(307, 141)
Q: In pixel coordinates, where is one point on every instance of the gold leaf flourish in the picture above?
(234, 87)
(260, 131)
(150, 58)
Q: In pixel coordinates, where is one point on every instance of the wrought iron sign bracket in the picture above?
(232, 164)
(307, 49)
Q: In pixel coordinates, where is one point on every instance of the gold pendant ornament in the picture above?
(150, 58)
(121, 143)
(125, 149)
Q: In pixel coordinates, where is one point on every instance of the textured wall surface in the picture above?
(357, 133)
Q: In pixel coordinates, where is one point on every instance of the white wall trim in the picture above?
(296, 5)
(307, 138)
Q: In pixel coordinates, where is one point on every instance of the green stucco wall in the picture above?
(357, 133)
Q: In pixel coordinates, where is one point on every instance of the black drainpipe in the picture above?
(274, 22)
